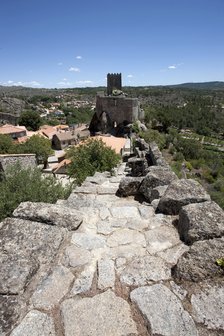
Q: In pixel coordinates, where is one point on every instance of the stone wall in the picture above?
(25, 160)
(8, 118)
(118, 108)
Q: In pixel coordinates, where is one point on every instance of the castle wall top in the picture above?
(113, 82)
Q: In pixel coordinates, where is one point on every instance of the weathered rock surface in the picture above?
(199, 262)
(126, 236)
(208, 306)
(104, 314)
(180, 193)
(129, 185)
(75, 256)
(201, 221)
(157, 176)
(83, 282)
(88, 241)
(52, 289)
(143, 270)
(35, 323)
(161, 238)
(49, 214)
(24, 246)
(11, 306)
(163, 311)
(106, 274)
(172, 255)
(158, 192)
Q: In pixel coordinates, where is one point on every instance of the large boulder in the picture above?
(163, 311)
(157, 176)
(199, 262)
(129, 185)
(25, 246)
(200, 221)
(180, 193)
(50, 214)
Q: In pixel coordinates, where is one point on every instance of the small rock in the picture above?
(35, 323)
(103, 314)
(163, 311)
(178, 290)
(126, 236)
(173, 254)
(75, 256)
(161, 238)
(88, 241)
(52, 288)
(106, 274)
(125, 212)
(83, 283)
(142, 271)
(146, 211)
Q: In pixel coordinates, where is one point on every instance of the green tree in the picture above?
(30, 119)
(90, 157)
(20, 185)
(39, 146)
(6, 144)
(153, 135)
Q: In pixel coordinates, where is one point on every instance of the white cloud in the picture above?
(130, 76)
(64, 83)
(84, 82)
(60, 63)
(19, 83)
(78, 57)
(74, 69)
(172, 67)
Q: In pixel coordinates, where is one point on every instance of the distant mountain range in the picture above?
(17, 90)
(203, 85)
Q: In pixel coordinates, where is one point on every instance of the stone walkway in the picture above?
(112, 275)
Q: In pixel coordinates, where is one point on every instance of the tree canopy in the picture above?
(30, 119)
(89, 157)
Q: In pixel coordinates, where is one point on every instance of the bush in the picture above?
(153, 135)
(90, 157)
(20, 185)
(178, 156)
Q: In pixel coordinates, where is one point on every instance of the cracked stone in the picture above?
(75, 256)
(52, 289)
(88, 241)
(83, 283)
(125, 237)
(163, 311)
(106, 274)
(161, 238)
(103, 314)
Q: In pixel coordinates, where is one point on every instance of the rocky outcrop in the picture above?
(157, 176)
(180, 193)
(199, 263)
(50, 214)
(200, 221)
(129, 186)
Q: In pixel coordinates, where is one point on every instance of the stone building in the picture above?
(115, 110)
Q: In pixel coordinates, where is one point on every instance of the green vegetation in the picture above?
(34, 145)
(30, 119)
(220, 262)
(77, 115)
(20, 185)
(90, 157)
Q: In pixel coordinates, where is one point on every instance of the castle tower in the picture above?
(113, 82)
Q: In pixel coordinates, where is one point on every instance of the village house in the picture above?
(14, 132)
(61, 140)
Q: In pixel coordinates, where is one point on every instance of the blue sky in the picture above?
(70, 43)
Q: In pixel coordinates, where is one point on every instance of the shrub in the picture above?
(153, 135)
(90, 157)
(20, 185)
(178, 156)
